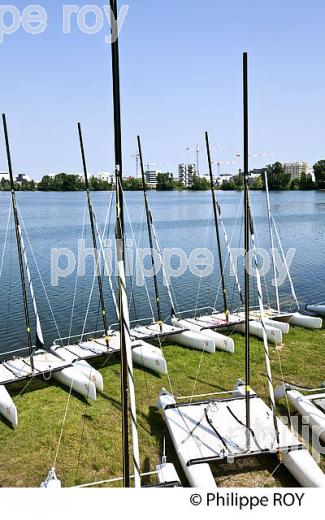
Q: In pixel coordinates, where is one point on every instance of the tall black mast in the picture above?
(20, 253)
(149, 224)
(247, 238)
(120, 240)
(93, 231)
(216, 212)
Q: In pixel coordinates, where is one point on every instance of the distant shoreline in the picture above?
(162, 191)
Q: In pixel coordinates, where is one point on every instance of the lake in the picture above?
(184, 221)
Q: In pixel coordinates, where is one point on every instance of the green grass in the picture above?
(90, 447)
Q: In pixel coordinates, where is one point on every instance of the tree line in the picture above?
(278, 179)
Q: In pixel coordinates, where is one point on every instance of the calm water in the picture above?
(183, 220)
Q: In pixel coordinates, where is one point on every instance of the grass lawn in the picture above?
(90, 447)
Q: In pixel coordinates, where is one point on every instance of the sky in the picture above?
(181, 74)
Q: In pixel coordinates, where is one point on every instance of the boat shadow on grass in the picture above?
(38, 383)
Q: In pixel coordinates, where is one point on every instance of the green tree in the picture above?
(165, 182)
(97, 184)
(277, 178)
(200, 184)
(319, 170)
(132, 184)
(46, 183)
(306, 182)
(257, 183)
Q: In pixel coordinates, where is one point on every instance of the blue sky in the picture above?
(180, 74)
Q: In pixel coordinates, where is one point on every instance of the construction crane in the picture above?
(197, 150)
(137, 158)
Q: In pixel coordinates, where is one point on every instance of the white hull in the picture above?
(143, 354)
(304, 405)
(200, 475)
(215, 339)
(307, 322)
(87, 370)
(274, 334)
(188, 338)
(281, 325)
(149, 357)
(274, 319)
(270, 316)
(80, 364)
(304, 468)
(73, 378)
(317, 308)
(194, 340)
(167, 473)
(7, 407)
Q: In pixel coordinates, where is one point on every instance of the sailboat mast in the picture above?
(269, 214)
(149, 223)
(93, 232)
(247, 239)
(127, 381)
(20, 252)
(216, 212)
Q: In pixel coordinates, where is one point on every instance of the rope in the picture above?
(63, 424)
(272, 474)
(138, 243)
(200, 278)
(77, 274)
(107, 267)
(5, 241)
(81, 439)
(40, 275)
(258, 246)
(230, 256)
(170, 291)
(138, 258)
(197, 374)
(265, 343)
(39, 332)
(286, 395)
(293, 292)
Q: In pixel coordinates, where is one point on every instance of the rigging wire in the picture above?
(40, 275)
(229, 253)
(138, 258)
(77, 273)
(208, 228)
(5, 240)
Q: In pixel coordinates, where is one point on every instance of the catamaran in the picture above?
(39, 362)
(236, 424)
(97, 344)
(277, 317)
(211, 323)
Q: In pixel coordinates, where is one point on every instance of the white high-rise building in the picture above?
(151, 178)
(186, 173)
(295, 169)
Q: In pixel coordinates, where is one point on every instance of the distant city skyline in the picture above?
(180, 75)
